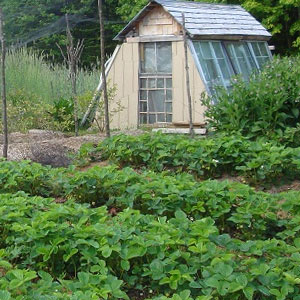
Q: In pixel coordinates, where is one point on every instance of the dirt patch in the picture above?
(93, 164)
(47, 148)
(294, 185)
(50, 147)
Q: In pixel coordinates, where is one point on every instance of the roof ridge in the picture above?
(194, 9)
(197, 3)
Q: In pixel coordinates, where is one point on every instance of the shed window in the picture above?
(155, 100)
(215, 66)
(156, 57)
(241, 58)
(260, 52)
(219, 61)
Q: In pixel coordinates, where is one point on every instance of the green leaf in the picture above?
(297, 242)
(295, 112)
(106, 251)
(248, 292)
(66, 257)
(125, 265)
(185, 294)
(5, 295)
(83, 278)
(5, 264)
(242, 280)
(212, 282)
(224, 269)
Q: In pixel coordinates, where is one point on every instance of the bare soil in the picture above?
(49, 147)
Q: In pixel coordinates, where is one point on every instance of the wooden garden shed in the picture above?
(148, 68)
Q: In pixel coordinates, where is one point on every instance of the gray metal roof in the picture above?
(206, 19)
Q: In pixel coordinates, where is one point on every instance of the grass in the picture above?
(29, 71)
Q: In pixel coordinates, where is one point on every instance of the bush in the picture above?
(27, 111)
(268, 103)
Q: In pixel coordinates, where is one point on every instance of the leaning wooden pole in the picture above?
(187, 78)
(3, 87)
(102, 49)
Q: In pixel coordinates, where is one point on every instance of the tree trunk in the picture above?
(187, 78)
(4, 106)
(102, 49)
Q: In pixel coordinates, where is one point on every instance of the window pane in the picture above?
(143, 106)
(143, 95)
(152, 118)
(261, 52)
(149, 65)
(218, 49)
(169, 82)
(169, 95)
(164, 57)
(169, 118)
(161, 118)
(160, 82)
(205, 50)
(151, 83)
(168, 107)
(156, 101)
(263, 49)
(143, 118)
(255, 49)
(241, 58)
(143, 83)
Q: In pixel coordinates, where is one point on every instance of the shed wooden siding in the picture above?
(124, 76)
(158, 22)
(180, 102)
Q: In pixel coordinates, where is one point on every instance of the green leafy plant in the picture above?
(267, 104)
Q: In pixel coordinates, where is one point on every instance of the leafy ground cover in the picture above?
(143, 228)
(258, 161)
(70, 251)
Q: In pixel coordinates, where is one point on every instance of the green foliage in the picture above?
(63, 113)
(211, 157)
(26, 111)
(75, 252)
(237, 209)
(26, 70)
(113, 233)
(267, 104)
(38, 97)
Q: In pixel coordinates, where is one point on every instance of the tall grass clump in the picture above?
(29, 71)
(266, 105)
(39, 92)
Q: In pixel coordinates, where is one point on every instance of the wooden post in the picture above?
(73, 72)
(4, 106)
(102, 49)
(187, 78)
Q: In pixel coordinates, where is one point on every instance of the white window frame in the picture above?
(227, 57)
(156, 75)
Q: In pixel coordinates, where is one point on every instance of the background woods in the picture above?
(40, 24)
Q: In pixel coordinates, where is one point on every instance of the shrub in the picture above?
(268, 103)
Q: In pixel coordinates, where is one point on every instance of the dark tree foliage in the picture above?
(40, 23)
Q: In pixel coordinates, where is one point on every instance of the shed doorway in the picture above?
(155, 77)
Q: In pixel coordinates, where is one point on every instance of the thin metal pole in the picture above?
(187, 78)
(102, 49)
(4, 105)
